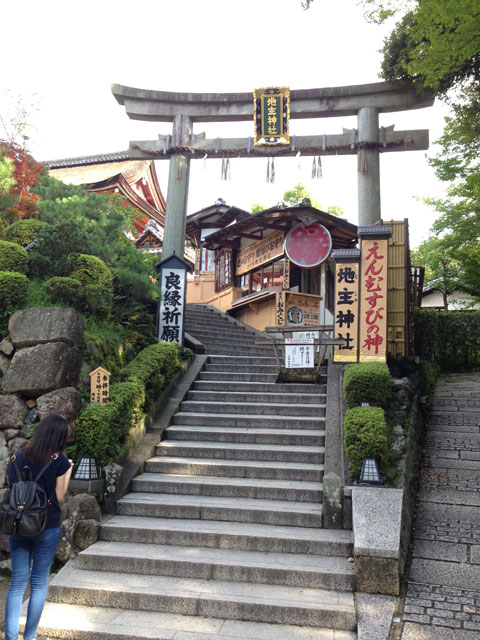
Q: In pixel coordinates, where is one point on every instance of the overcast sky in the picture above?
(69, 54)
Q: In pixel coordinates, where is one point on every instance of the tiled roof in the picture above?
(117, 156)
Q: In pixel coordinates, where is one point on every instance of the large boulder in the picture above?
(67, 402)
(6, 347)
(12, 412)
(81, 517)
(4, 458)
(4, 364)
(42, 368)
(39, 325)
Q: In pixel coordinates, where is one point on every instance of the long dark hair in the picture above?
(50, 437)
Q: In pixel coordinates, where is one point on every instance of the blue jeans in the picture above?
(42, 549)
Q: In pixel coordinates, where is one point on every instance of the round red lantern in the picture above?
(308, 245)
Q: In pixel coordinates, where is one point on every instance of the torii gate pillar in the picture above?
(369, 211)
(177, 195)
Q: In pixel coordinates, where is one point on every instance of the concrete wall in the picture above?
(201, 289)
(457, 301)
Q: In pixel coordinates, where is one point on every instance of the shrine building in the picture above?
(299, 266)
(135, 181)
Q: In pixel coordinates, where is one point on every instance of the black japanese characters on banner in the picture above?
(172, 303)
(346, 312)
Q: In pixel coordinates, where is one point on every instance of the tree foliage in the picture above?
(435, 44)
(78, 223)
(454, 251)
(441, 268)
(22, 201)
(295, 195)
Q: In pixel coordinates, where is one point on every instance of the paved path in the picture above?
(443, 593)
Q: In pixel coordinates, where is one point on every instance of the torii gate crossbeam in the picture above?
(183, 109)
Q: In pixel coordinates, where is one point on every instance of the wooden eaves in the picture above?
(344, 234)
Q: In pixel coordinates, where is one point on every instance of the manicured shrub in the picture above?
(64, 290)
(365, 436)
(13, 257)
(23, 232)
(13, 289)
(101, 430)
(154, 368)
(97, 433)
(97, 284)
(92, 270)
(367, 382)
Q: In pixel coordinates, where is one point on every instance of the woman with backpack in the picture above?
(45, 451)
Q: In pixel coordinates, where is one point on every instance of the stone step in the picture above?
(234, 451)
(256, 397)
(231, 352)
(260, 387)
(229, 487)
(233, 376)
(254, 408)
(236, 346)
(203, 563)
(221, 535)
(301, 437)
(216, 359)
(226, 338)
(67, 621)
(236, 468)
(251, 420)
(218, 599)
(231, 366)
(260, 511)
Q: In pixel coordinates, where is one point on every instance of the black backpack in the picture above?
(24, 506)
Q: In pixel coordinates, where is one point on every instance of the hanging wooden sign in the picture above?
(259, 253)
(271, 114)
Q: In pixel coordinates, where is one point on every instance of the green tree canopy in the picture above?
(295, 195)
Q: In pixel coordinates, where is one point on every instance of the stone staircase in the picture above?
(221, 537)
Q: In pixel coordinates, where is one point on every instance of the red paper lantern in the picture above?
(308, 246)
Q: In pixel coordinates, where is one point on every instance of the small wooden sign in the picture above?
(100, 385)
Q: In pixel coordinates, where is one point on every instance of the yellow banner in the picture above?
(346, 311)
(259, 253)
(373, 301)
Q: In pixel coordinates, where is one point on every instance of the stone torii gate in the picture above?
(184, 109)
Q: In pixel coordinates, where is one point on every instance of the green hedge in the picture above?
(13, 289)
(13, 257)
(23, 232)
(450, 339)
(154, 368)
(101, 430)
(367, 382)
(365, 436)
